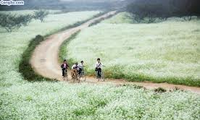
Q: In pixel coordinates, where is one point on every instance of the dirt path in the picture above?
(45, 60)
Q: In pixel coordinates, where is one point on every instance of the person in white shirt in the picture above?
(75, 67)
(98, 68)
(81, 66)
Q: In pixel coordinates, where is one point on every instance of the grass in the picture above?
(121, 18)
(159, 52)
(24, 100)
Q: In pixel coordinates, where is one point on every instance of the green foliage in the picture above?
(13, 21)
(25, 19)
(9, 22)
(40, 15)
(153, 9)
(142, 11)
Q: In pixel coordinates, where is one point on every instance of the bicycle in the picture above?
(74, 75)
(100, 76)
(82, 75)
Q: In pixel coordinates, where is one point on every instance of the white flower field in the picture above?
(58, 101)
(162, 52)
(23, 100)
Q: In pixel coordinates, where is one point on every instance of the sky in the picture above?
(93, 0)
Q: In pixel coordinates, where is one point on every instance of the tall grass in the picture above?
(161, 52)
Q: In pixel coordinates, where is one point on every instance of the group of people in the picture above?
(78, 69)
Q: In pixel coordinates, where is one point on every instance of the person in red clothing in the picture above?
(64, 67)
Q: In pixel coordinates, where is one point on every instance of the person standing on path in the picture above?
(98, 69)
(81, 68)
(64, 67)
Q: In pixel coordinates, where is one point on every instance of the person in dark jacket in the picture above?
(64, 67)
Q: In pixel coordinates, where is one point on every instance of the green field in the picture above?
(23, 100)
(160, 52)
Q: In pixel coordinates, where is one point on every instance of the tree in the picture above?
(164, 8)
(25, 19)
(11, 22)
(145, 10)
(40, 15)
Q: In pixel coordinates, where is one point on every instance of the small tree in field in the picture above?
(40, 15)
(25, 19)
(11, 22)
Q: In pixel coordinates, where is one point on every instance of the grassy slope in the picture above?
(20, 99)
(161, 52)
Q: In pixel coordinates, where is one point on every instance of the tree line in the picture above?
(12, 21)
(68, 5)
(163, 9)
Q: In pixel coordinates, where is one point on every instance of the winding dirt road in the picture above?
(45, 60)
